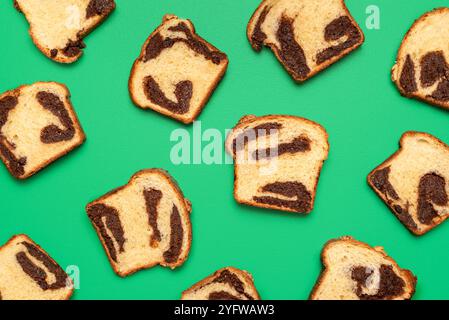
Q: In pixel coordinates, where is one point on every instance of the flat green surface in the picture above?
(354, 100)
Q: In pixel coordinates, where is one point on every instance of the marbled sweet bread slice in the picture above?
(225, 284)
(28, 273)
(176, 71)
(413, 182)
(58, 27)
(144, 223)
(306, 36)
(37, 126)
(277, 161)
(353, 270)
(422, 70)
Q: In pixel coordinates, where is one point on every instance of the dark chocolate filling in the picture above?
(157, 44)
(53, 53)
(112, 223)
(252, 134)
(407, 79)
(152, 199)
(183, 93)
(380, 180)
(231, 279)
(434, 68)
(222, 295)
(38, 274)
(52, 133)
(73, 48)
(335, 30)
(258, 37)
(431, 190)
(288, 189)
(299, 144)
(99, 7)
(291, 53)
(176, 237)
(390, 284)
(14, 164)
(404, 216)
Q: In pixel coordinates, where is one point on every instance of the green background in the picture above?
(354, 100)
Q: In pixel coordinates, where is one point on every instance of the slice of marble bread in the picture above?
(27, 272)
(277, 161)
(422, 70)
(176, 71)
(144, 223)
(37, 126)
(413, 182)
(58, 27)
(225, 284)
(306, 36)
(353, 270)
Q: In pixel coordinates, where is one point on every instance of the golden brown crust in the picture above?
(241, 273)
(247, 119)
(187, 205)
(76, 124)
(81, 35)
(412, 95)
(407, 274)
(14, 237)
(165, 112)
(318, 68)
(435, 223)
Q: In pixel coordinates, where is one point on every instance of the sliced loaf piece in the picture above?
(144, 223)
(58, 27)
(422, 70)
(278, 161)
(413, 182)
(353, 270)
(37, 126)
(306, 36)
(225, 284)
(176, 71)
(28, 273)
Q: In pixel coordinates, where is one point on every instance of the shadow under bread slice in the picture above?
(144, 223)
(58, 27)
(277, 161)
(225, 284)
(306, 36)
(176, 71)
(422, 70)
(352, 270)
(27, 272)
(37, 126)
(413, 182)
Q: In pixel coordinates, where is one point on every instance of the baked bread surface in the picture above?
(176, 71)
(413, 182)
(306, 36)
(225, 284)
(27, 272)
(422, 70)
(144, 223)
(58, 27)
(352, 270)
(277, 161)
(37, 126)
